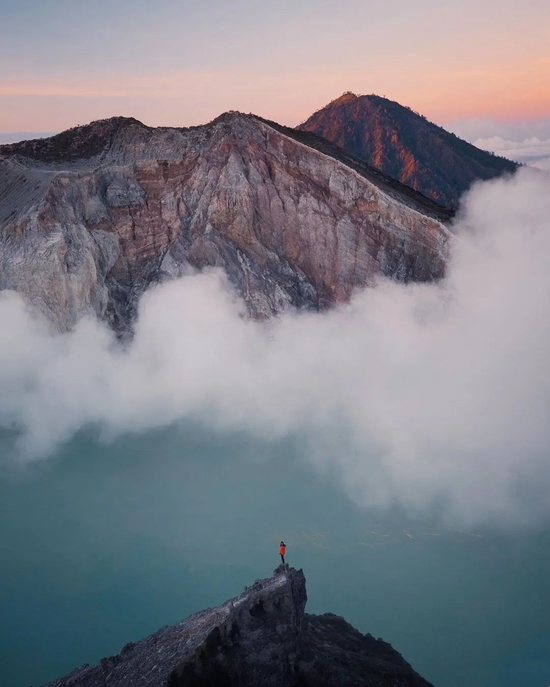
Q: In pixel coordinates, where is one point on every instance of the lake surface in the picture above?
(105, 543)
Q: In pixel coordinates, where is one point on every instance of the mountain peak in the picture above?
(405, 145)
(345, 97)
(358, 99)
(260, 637)
(230, 115)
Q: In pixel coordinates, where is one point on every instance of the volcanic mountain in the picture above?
(406, 146)
(91, 217)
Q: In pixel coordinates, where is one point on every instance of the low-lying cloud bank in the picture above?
(526, 142)
(531, 151)
(473, 129)
(417, 395)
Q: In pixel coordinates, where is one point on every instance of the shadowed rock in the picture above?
(261, 638)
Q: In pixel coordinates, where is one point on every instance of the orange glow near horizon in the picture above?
(189, 98)
(480, 59)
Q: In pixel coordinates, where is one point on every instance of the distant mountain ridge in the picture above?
(406, 146)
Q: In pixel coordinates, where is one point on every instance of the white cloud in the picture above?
(473, 129)
(525, 142)
(531, 151)
(417, 395)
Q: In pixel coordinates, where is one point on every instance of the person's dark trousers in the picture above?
(283, 559)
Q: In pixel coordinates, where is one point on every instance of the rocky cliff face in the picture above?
(262, 638)
(91, 217)
(405, 146)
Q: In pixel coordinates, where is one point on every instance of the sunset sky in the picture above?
(168, 62)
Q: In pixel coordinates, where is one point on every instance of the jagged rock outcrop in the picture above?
(91, 217)
(261, 638)
(406, 146)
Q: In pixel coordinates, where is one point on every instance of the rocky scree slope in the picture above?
(261, 638)
(91, 217)
(406, 146)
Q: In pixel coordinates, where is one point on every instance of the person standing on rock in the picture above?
(282, 549)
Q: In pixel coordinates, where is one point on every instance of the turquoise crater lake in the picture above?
(104, 543)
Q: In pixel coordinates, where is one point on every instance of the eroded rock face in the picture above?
(124, 206)
(261, 638)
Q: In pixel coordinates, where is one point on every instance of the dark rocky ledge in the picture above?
(261, 638)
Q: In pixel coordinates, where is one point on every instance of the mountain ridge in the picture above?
(83, 142)
(78, 142)
(292, 225)
(261, 638)
(91, 140)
